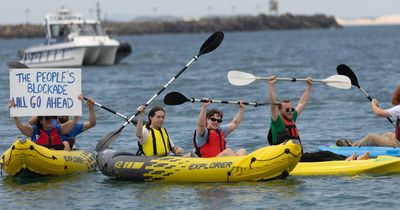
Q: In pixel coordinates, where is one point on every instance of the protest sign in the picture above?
(45, 92)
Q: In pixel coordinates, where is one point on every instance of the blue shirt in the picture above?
(74, 132)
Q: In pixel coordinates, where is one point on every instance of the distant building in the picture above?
(273, 7)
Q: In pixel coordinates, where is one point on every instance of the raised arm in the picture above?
(201, 123)
(237, 119)
(92, 114)
(304, 98)
(139, 125)
(272, 98)
(25, 128)
(378, 111)
(69, 125)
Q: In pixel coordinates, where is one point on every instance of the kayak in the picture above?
(373, 151)
(378, 166)
(27, 159)
(263, 164)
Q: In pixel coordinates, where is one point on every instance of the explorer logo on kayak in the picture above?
(73, 159)
(127, 164)
(209, 166)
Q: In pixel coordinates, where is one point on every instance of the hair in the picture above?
(59, 118)
(214, 111)
(283, 101)
(152, 113)
(396, 96)
(39, 118)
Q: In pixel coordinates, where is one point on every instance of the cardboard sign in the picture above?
(45, 92)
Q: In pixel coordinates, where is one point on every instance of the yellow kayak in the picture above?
(263, 164)
(25, 159)
(379, 165)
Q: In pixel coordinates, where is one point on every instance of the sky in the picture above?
(33, 11)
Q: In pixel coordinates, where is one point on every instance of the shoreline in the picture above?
(226, 24)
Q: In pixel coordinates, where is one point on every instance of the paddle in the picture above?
(176, 98)
(343, 69)
(240, 78)
(134, 121)
(209, 45)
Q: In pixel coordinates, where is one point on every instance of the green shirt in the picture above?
(279, 126)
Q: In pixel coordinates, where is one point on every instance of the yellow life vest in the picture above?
(157, 143)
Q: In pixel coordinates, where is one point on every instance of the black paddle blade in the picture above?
(16, 65)
(211, 43)
(343, 69)
(108, 139)
(175, 98)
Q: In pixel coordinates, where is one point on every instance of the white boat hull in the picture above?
(69, 57)
(91, 55)
(107, 55)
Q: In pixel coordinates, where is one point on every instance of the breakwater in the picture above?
(232, 23)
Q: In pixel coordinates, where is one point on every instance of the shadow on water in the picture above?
(204, 195)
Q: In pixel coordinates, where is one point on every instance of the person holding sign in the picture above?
(44, 132)
(79, 127)
(153, 139)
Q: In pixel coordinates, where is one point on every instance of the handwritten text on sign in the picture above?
(45, 92)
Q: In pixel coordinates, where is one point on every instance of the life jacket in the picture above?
(156, 144)
(397, 129)
(215, 144)
(52, 141)
(290, 132)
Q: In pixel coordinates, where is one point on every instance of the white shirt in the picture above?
(394, 111)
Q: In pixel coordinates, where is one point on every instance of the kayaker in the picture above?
(44, 132)
(78, 128)
(210, 137)
(283, 124)
(387, 139)
(153, 139)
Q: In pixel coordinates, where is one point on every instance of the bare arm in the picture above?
(272, 99)
(139, 125)
(201, 123)
(69, 125)
(237, 119)
(92, 115)
(304, 98)
(378, 111)
(32, 120)
(25, 128)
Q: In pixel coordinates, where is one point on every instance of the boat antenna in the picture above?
(98, 11)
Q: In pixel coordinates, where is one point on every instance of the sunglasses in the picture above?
(289, 109)
(216, 120)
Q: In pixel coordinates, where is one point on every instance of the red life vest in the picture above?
(52, 141)
(291, 132)
(215, 144)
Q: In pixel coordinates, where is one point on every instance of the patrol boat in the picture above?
(72, 41)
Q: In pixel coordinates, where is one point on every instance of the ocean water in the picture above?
(372, 52)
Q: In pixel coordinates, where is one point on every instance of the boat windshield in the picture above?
(63, 30)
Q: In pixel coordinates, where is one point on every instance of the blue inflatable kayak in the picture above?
(373, 151)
